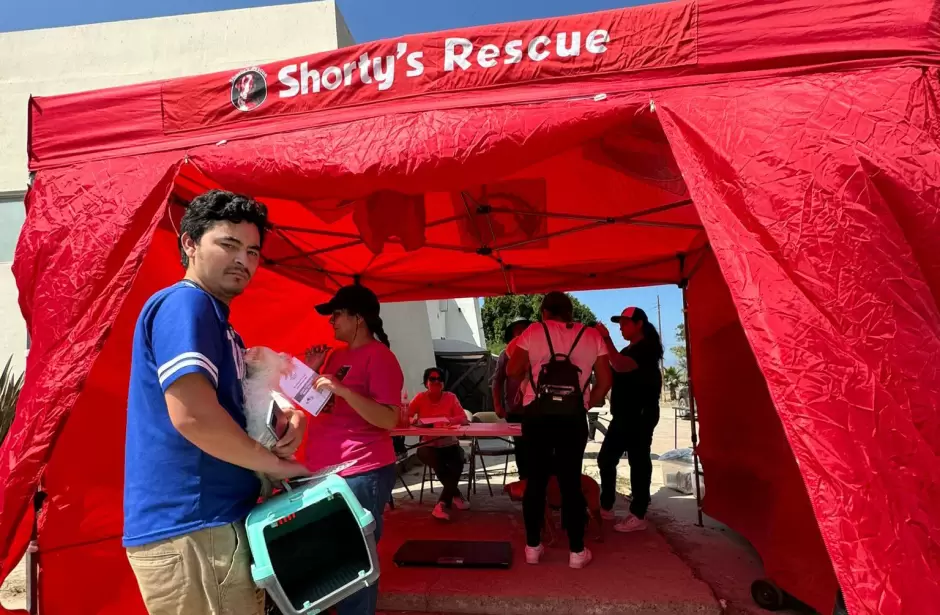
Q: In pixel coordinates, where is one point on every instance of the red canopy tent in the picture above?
(777, 156)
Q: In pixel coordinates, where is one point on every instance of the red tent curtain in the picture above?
(831, 285)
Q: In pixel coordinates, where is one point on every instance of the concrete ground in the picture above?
(13, 591)
(673, 567)
(631, 573)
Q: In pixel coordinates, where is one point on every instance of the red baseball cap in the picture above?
(633, 313)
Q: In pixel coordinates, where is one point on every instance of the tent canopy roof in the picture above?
(596, 180)
(646, 48)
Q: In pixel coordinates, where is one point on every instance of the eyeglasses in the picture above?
(435, 379)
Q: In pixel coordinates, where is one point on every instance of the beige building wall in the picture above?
(63, 60)
(457, 319)
(410, 337)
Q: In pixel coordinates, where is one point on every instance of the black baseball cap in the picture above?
(507, 332)
(355, 299)
(633, 313)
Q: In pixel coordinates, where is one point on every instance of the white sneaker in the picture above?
(608, 515)
(580, 560)
(532, 554)
(440, 512)
(460, 503)
(630, 523)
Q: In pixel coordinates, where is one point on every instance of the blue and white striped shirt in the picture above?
(171, 487)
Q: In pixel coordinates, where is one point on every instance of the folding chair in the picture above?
(401, 454)
(489, 447)
(428, 473)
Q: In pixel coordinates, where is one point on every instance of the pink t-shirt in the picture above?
(448, 406)
(339, 433)
(589, 347)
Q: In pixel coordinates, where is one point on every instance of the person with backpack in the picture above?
(558, 356)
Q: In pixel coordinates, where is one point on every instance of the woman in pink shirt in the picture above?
(443, 454)
(366, 381)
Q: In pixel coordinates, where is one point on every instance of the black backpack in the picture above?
(558, 390)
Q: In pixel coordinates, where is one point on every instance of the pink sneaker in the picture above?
(608, 515)
(440, 512)
(630, 523)
(580, 560)
(532, 554)
(460, 503)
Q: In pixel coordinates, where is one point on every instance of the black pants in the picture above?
(447, 463)
(555, 445)
(630, 433)
(518, 442)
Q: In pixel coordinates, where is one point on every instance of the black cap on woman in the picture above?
(361, 305)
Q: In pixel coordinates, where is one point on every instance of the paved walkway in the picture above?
(673, 567)
(631, 573)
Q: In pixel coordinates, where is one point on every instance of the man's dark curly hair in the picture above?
(217, 206)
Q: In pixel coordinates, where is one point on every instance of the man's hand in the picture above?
(329, 383)
(499, 410)
(315, 356)
(195, 412)
(602, 329)
(288, 468)
(290, 441)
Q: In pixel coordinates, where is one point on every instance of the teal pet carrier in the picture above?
(312, 546)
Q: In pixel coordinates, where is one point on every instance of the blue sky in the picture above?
(606, 303)
(367, 19)
(370, 20)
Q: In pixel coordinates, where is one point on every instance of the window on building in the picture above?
(12, 216)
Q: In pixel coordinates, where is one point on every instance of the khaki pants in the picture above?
(204, 573)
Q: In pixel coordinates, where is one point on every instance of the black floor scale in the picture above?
(455, 554)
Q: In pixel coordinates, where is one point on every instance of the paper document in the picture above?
(298, 386)
(433, 420)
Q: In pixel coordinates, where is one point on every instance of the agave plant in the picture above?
(10, 387)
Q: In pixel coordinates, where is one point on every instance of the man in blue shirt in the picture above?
(189, 469)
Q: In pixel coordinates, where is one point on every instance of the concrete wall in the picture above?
(344, 37)
(470, 321)
(74, 59)
(457, 319)
(64, 60)
(410, 336)
(12, 327)
(437, 318)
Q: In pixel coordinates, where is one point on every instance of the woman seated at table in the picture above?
(443, 454)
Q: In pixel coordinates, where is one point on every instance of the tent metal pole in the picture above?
(32, 556)
(688, 366)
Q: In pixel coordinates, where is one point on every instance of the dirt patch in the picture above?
(13, 590)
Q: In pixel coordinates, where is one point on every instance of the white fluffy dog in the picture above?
(263, 370)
